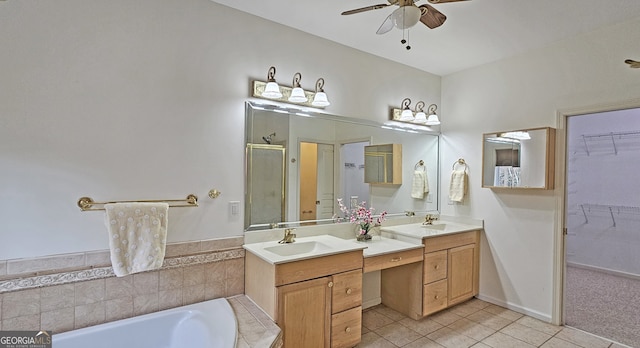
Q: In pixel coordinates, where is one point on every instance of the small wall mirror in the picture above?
(521, 159)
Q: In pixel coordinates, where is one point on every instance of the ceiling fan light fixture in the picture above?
(406, 16)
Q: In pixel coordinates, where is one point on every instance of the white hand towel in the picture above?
(458, 185)
(137, 236)
(420, 184)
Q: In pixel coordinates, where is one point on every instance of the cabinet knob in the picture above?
(437, 297)
(436, 266)
(349, 291)
(348, 329)
(330, 284)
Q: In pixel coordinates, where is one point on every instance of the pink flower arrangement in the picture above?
(362, 216)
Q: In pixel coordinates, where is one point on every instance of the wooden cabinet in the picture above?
(448, 275)
(316, 302)
(451, 270)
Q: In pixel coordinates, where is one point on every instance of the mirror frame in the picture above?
(549, 168)
(302, 111)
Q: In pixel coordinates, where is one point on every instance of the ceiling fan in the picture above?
(407, 14)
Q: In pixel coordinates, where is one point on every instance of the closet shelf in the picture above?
(611, 210)
(609, 142)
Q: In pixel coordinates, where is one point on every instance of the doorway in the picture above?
(316, 181)
(602, 221)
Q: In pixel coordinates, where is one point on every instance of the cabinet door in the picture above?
(304, 313)
(461, 266)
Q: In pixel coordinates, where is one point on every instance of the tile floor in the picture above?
(474, 323)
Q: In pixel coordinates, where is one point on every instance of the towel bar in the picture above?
(87, 204)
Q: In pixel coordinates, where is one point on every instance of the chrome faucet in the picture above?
(429, 219)
(288, 236)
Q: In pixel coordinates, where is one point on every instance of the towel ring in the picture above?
(461, 162)
(420, 164)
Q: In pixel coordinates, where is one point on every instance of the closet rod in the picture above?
(87, 204)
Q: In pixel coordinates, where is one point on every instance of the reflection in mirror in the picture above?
(299, 162)
(518, 159)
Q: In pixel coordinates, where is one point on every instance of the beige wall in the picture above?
(524, 92)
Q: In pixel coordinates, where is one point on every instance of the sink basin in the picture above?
(297, 248)
(439, 227)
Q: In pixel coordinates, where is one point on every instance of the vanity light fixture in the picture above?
(272, 90)
(297, 94)
(320, 98)
(417, 116)
(293, 95)
(420, 117)
(432, 119)
(407, 114)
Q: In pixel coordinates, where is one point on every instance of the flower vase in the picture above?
(362, 235)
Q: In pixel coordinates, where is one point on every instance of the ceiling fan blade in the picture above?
(386, 26)
(431, 17)
(443, 1)
(364, 9)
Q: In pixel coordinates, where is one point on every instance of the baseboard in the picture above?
(516, 308)
(604, 270)
(371, 302)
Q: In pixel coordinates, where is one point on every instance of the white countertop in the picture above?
(303, 248)
(438, 228)
(382, 245)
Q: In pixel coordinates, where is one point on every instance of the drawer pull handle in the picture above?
(330, 284)
(349, 291)
(396, 259)
(348, 329)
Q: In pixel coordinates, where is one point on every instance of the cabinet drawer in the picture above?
(346, 291)
(450, 241)
(435, 266)
(346, 328)
(375, 263)
(435, 297)
(292, 272)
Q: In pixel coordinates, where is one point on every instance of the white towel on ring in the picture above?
(420, 184)
(137, 236)
(458, 185)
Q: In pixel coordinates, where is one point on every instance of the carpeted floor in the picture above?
(603, 304)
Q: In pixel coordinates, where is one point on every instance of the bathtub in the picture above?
(210, 324)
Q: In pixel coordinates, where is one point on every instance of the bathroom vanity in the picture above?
(448, 275)
(313, 292)
(312, 288)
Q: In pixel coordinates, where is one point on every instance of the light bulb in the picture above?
(406, 16)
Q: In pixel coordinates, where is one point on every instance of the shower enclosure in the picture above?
(265, 196)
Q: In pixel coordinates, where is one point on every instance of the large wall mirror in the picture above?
(300, 162)
(519, 159)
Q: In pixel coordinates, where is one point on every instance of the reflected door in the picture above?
(316, 181)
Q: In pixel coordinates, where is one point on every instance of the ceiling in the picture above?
(476, 31)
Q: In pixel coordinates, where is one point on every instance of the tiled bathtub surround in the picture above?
(74, 296)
